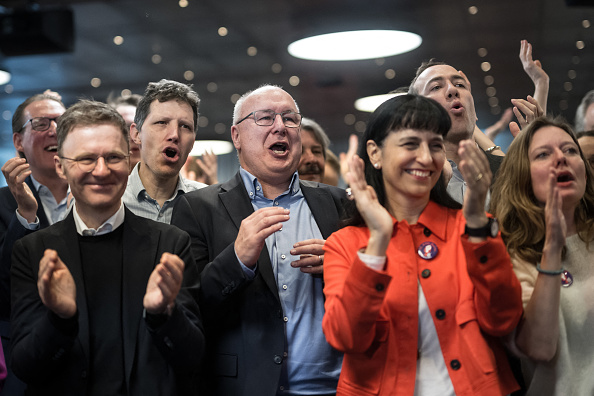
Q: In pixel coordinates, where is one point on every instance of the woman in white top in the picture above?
(544, 200)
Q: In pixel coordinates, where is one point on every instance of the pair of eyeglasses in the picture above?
(88, 163)
(40, 124)
(267, 117)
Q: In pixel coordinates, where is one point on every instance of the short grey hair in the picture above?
(580, 114)
(319, 135)
(237, 110)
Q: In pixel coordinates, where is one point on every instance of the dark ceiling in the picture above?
(187, 39)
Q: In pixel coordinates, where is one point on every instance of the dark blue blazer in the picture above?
(243, 318)
(10, 232)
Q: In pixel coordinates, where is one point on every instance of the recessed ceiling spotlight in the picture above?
(360, 126)
(277, 68)
(370, 103)
(563, 104)
(355, 45)
(568, 86)
(350, 119)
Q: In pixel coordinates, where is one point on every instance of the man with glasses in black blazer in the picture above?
(35, 196)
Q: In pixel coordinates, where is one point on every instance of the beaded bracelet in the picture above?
(547, 272)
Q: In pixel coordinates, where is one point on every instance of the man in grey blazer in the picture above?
(101, 301)
(258, 244)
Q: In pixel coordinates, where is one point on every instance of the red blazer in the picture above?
(471, 290)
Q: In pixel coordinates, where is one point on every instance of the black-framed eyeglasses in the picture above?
(267, 117)
(88, 163)
(40, 124)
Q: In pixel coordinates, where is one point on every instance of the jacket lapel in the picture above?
(140, 250)
(236, 201)
(321, 204)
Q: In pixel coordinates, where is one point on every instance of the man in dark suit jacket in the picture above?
(101, 302)
(262, 311)
(33, 187)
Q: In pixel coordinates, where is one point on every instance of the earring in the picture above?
(376, 165)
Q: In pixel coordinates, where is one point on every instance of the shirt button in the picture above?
(285, 354)
(440, 314)
(483, 259)
(275, 203)
(455, 364)
(283, 256)
(379, 287)
(284, 287)
(257, 188)
(278, 359)
(426, 273)
(251, 194)
(427, 232)
(286, 319)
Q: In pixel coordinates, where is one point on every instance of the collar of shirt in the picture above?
(110, 224)
(254, 188)
(44, 191)
(456, 174)
(54, 211)
(432, 217)
(137, 188)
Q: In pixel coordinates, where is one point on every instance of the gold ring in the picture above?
(321, 259)
(479, 177)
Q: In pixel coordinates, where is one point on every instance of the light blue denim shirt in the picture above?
(312, 366)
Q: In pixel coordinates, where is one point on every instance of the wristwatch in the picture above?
(490, 229)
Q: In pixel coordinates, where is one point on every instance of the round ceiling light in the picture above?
(355, 45)
(4, 77)
(218, 147)
(370, 103)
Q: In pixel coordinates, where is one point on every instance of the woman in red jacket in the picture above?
(417, 290)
